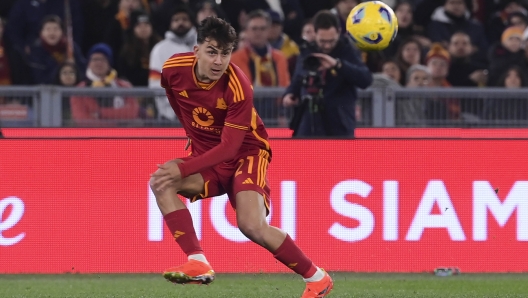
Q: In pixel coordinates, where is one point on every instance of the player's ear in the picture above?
(195, 50)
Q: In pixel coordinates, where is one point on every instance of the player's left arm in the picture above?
(354, 71)
(237, 123)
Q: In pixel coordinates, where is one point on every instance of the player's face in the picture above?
(212, 60)
(327, 39)
(460, 46)
(51, 33)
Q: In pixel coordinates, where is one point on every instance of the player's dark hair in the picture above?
(214, 28)
(325, 19)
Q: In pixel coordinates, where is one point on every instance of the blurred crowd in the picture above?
(124, 43)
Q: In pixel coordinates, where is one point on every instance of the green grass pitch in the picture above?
(265, 285)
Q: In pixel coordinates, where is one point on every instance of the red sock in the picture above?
(292, 256)
(181, 226)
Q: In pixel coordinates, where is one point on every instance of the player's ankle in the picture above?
(198, 257)
(318, 275)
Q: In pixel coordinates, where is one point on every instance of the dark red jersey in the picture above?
(218, 113)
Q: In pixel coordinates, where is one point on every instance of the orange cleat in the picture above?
(319, 288)
(192, 272)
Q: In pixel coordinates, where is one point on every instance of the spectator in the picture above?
(392, 70)
(506, 54)
(513, 108)
(410, 110)
(406, 28)
(293, 19)
(262, 64)
(281, 41)
(97, 111)
(133, 63)
(463, 71)
(242, 42)
(342, 9)
(162, 15)
(508, 11)
(437, 62)
(51, 50)
(23, 29)
(409, 54)
(390, 76)
(116, 31)
(206, 9)
(342, 71)
(518, 19)
(290, 11)
(67, 76)
(26, 17)
(308, 32)
(180, 38)
(417, 76)
(5, 65)
(452, 17)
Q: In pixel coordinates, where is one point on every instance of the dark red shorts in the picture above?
(247, 172)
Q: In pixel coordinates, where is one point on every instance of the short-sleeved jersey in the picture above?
(205, 109)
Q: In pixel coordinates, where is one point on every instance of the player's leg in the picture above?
(250, 196)
(179, 221)
(251, 220)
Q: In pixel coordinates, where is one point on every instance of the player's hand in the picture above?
(289, 100)
(327, 62)
(167, 174)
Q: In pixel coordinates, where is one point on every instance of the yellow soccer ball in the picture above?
(372, 25)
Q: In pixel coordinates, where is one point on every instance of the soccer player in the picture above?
(213, 100)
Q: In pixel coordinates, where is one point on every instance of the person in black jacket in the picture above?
(324, 84)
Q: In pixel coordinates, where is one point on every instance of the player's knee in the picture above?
(154, 189)
(252, 229)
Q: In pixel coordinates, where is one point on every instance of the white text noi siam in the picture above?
(485, 202)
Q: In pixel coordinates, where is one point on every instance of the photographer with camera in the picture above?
(323, 88)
